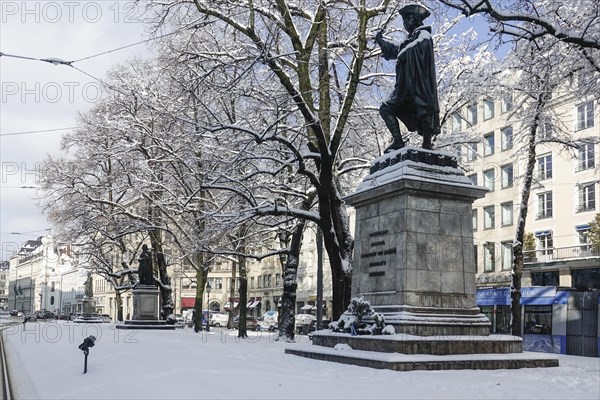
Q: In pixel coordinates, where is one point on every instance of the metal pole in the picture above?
(319, 277)
(86, 352)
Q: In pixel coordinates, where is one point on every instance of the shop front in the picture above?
(544, 319)
(495, 304)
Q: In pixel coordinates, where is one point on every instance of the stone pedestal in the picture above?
(145, 310)
(145, 303)
(414, 262)
(89, 306)
(88, 315)
(413, 252)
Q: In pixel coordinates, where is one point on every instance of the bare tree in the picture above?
(574, 22)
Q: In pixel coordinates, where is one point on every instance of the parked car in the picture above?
(30, 316)
(14, 313)
(45, 314)
(218, 319)
(188, 318)
(251, 323)
(268, 321)
(302, 321)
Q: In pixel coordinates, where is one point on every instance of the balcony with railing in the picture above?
(559, 254)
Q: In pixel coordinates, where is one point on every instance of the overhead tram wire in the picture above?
(40, 131)
(58, 61)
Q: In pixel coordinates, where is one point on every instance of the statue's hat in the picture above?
(414, 9)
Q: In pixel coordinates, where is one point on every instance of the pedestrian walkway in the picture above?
(5, 392)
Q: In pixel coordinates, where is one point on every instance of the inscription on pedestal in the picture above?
(378, 242)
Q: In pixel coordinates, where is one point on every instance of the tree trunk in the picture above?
(119, 305)
(517, 272)
(242, 329)
(201, 279)
(338, 243)
(232, 296)
(290, 284)
(165, 287)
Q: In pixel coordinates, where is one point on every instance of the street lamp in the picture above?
(207, 305)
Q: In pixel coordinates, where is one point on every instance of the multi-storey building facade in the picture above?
(562, 203)
(562, 200)
(35, 275)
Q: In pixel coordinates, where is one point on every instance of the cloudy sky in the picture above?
(40, 96)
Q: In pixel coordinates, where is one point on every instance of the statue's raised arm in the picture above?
(414, 100)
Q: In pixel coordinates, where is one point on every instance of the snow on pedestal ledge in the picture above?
(415, 164)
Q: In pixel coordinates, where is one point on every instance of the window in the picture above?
(472, 114)
(474, 219)
(586, 157)
(586, 279)
(488, 109)
(585, 115)
(583, 233)
(544, 278)
(507, 213)
(488, 144)
(489, 261)
(506, 137)
(456, 122)
(507, 255)
(259, 282)
(489, 217)
(507, 175)
(472, 152)
(269, 279)
(489, 176)
(473, 178)
(475, 255)
(507, 102)
(545, 242)
(277, 280)
(587, 197)
(544, 205)
(545, 129)
(545, 166)
(538, 320)
(458, 150)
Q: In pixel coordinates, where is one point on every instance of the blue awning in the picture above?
(562, 297)
(493, 297)
(583, 227)
(543, 233)
(538, 295)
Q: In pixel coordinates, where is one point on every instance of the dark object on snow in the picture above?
(88, 342)
(414, 100)
(145, 267)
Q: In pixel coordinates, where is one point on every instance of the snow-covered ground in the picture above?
(45, 363)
